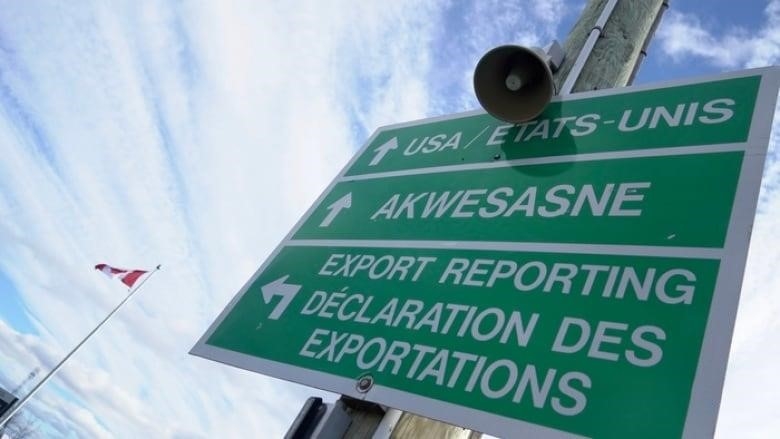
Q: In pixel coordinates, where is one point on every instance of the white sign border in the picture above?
(706, 393)
(710, 374)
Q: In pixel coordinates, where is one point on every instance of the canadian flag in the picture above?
(128, 277)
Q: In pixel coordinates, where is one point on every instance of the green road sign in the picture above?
(572, 276)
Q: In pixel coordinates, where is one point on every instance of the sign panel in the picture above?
(572, 276)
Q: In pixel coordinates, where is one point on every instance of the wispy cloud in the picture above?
(192, 135)
(685, 37)
(195, 135)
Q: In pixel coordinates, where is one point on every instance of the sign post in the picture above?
(576, 275)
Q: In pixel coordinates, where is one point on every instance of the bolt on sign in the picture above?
(576, 275)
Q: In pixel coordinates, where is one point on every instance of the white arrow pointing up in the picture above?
(279, 288)
(383, 149)
(344, 202)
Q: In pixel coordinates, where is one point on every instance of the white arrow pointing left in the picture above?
(344, 202)
(279, 288)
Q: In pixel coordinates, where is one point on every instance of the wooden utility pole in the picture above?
(603, 50)
(619, 43)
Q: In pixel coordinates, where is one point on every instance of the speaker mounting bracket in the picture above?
(553, 52)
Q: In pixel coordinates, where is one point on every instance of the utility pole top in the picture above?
(619, 45)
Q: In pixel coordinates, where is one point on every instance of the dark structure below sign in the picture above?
(7, 401)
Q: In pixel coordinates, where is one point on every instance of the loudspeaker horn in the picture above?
(514, 83)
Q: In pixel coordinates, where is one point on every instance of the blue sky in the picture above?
(194, 135)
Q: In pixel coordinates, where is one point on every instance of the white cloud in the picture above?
(195, 134)
(685, 37)
(191, 135)
(22, 354)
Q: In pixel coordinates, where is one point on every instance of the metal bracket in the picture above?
(318, 420)
(554, 55)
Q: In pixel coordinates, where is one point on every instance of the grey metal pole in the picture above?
(18, 406)
(603, 50)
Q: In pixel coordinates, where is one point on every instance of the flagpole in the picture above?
(9, 414)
